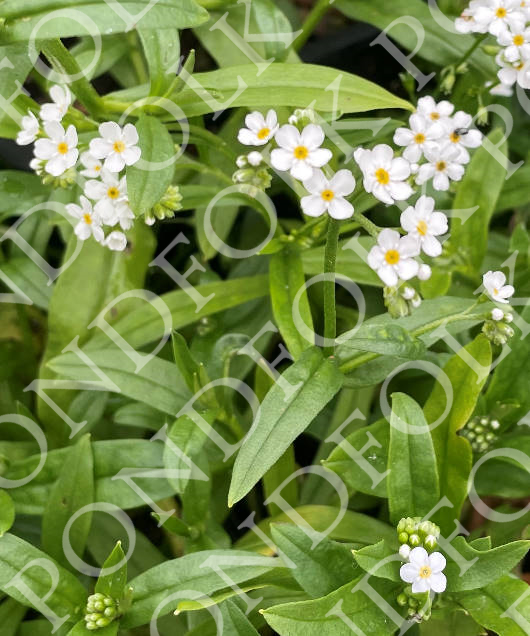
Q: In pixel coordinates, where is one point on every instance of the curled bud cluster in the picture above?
(413, 533)
(166, 207)
(418, 606)
(252, 171)
(497, 329)
(303, 117)
(480, 431)
(65, 180)
(100, 611)
(400, 301)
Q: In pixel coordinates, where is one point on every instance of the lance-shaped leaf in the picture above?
(235, 621)
(287, 410)
(7, 512)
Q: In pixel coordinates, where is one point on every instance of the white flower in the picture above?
(116, 241)
(383, 175)
(424, 272)
(435, 112)
(460, 135)
(496, 16)
(62, 98)
(443, 164)
(497, 314)
(254, 158)
(424, 571)
(107, 193)
(89, 222)
(118, 147)
(124, 215)
(29, 129)
(404, 550)
(422, 131)
(328, 195)
(424, 225)
(501, 90)
(59, 150)
(517, 43)
(258, 129)
(494, 284)
(392, 258)
(92, 165)
(509, 74)
(300, 152)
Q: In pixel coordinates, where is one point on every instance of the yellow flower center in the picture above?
(422, 228)
(518, 40)
(495, 291)
(97, 168)
(118, 146)
(392, 257)
(327, 195)
(263, 133)
(419, 138)
(519, 66)
(441, 166)
(501, 12)
(435, 116)
(454, 137)
(301, 152)
(87, 219)
(382, 176)
(62, 148)
(113, 193)
(425, 572)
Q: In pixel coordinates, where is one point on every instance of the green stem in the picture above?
(311, 22)
(330, 259)
(371, 228)
(65, 63)
(472, 49)
(136, 58)
(356, 362)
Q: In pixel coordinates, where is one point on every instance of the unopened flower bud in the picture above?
(254, 158)
(497, 314)
(403, 537)
(430, 542)
(404, 552)
(424, 272)
(402, 599)
(414, 540)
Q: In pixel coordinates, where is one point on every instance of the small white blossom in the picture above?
(509, 74)
(254, 158)
(466, 22)
(404, 550)
(116, 241)
(327, 195)
(443, 164)
(424, 571)
(497, 314)
(118, 147)
(436, 112)
(59, 149)
(258, 129)
(123, 215)
(29, 129)
(62, 98)
(92, 165)
(89, 222)
(300, 152)
(384, 175)
(517, 43)
(107, 193)
(495, 16)
(494, 284)
(424, 272)
(392, 257)
(424, 224)
(461, 136)
(422, 131)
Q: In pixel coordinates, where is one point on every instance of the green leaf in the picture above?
(191, 572)
(490, 606)
(11, 615)
(235, 622)
(17, 186)
(24, 274)
(453, 452)
(380, 559)
(447, 622)
(80, 629)
(286, 279)
(283, 416)
(73, 490)
(323, 615)
(7, 512)
(488, 567)
(319, 569)
(114, 583)
(514, 193)
(162, 52)
(280, 84)
(68, 596)
(189, 439)
(148, 180)
(478, 191)
(385, 339)
(184, 360)
(435, 45)
(23, 17)
(413, 488)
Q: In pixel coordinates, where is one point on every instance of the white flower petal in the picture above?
(388, 275)
(288, 137)
(301, 170)
(431, 246)
(408, 572)
(313, 205)
(407, 268)
(419, 556)
(110, 131)
(438, 582)
(319, 157)
(317, 182)
(114, 162)
(437, 562)
(312, 136)
(281, 159)
(339, 208)
(343, 183)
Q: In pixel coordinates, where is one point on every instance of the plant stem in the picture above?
(65, 63)
(330, 258)
(136, 58)
(312, 20)
(371, 228)
(472, 49)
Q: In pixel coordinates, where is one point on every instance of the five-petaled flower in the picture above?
(424, 224)
(116, 146)
(258, 129)
(29, 129)
(300, 152)
(383, 174)
(392, 257)
(327, 195)
(494, 284)
(424, 571)
(59, 149)
(89, 223)
(55, 111)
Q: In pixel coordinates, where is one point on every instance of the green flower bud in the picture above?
(430, 542)
(99, 606)
(402, 599)
(103, 622)
(91, 626)
(110, 612)
(403, 537)
(414, 540)
(401, 525)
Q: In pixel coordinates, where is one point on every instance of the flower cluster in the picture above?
(105, 200)
(100, 611)
(497, 328)
(413, 532)
(481, 433)
(509, 22)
